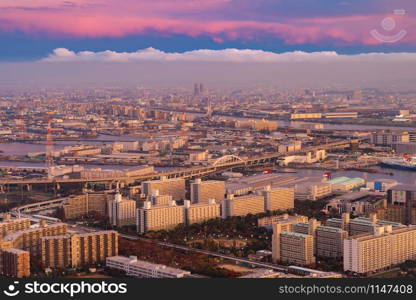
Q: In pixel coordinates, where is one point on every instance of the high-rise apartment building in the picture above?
(329, 241)
(241, 206)
(15, 263)
(121, 212)
(306, 227)
(202, 191)
(157, 199)
(159, 217)
(360, 225)
(58, 250)
(79, 205)
(79, 249)
(379, 250)
(30, 239)
(278, 198)
(200, 212)
(174, 187)
(9, 225)
(292, 247)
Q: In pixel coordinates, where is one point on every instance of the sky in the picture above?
(228, 31)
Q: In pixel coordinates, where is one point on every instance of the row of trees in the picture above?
(193, 262)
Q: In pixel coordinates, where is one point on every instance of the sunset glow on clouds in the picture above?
(218, 19)
(297, 23)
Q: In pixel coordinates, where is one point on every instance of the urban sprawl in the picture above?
(198, 182)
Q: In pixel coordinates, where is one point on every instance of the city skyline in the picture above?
(208, 139)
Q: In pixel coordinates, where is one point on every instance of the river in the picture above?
(401, 176)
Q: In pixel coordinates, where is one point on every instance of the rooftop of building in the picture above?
(15, 235)
(15, 251)
(330, 229)
(248, 197)
(294, 234)
(147, 265)
(357, 195)
(345, 180)
(302, 225)
(367, 222)
(14, 220)
(164, 180)
(371, 235)
(404, 187)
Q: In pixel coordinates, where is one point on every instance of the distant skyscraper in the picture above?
(196, 89)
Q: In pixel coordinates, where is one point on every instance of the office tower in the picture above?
(241, 206)
(278, 198)
(174, 187)
(153, 218)
(79, 249)
(122, 212)
(292, 247)
(143, 269)
(380, 249)
(329, 241)
(15, 263)
(200, 212)
(202, 191)
(201, 88)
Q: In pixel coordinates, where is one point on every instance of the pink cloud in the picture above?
(111, 18)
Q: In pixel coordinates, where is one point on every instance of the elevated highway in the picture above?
(224, 163)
